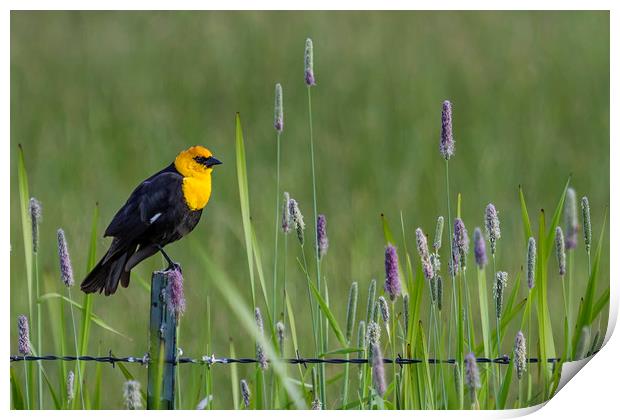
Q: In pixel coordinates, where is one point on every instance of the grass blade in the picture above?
(586, 315)
(24, 200)
(246, 319)
(244, 200)
(17, 397)
(234, 376)
(93, 317)
(328, 314)
(525, 218)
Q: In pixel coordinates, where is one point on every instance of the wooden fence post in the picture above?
(162, 347)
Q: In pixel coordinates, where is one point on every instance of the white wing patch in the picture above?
(154, 218)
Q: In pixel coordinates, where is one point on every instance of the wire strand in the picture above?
(212, 360)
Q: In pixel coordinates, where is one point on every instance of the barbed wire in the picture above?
(212, 360)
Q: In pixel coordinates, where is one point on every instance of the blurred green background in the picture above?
(102, 100)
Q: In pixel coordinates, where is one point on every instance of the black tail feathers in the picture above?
(107, 274)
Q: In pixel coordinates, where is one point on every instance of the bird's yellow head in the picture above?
(196, 162)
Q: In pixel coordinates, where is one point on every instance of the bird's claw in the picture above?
(173, 266)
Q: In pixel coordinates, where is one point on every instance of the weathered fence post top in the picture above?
(162, 345)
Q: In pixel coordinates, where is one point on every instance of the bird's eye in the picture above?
(202, 160)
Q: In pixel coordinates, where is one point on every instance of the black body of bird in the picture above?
(161, 210)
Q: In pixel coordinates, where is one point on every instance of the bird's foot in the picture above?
(172, 266)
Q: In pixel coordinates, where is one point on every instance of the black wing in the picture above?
(147, 203)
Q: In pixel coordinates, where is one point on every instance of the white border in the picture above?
(591, 396)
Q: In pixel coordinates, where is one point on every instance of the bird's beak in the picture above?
(211, 161)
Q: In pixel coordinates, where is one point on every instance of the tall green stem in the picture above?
(316, 248)
(496, 367)
(455, 315)
(276, 223)
(77, 352)
(26, 381)
(35, 271)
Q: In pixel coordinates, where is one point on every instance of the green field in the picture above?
(100, 101)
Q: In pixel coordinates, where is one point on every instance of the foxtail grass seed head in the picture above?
(321, 235)
(438, 234)
(520, 355)
(457, 379)
(260, 352)
(385, 311)
(570, 219)
(286, 215)
(378, 371)
(406, 312)
(531, 263)
(23, 335)
(392, 277)
(435, 263)
(472, 374)
(70, 386)
(446, 145)
(425, 257)
(297, 218)
(280, 331)
(316, 404)
(433, 285)
(492, 226)
(461, 241)
(35, 219)
(131, 395)
(176, 302)
(583, 344)
(370, 305)
(501, 280)
(439, 287)
(587, 223)
(361, 336)
(480, 249)
(453, 264)
(204, 402)
(377, 311)
(560, 251)
(351, 310)
(278, 118)
(245, 393)
(66, 270)
(373, 334)
(309, 63)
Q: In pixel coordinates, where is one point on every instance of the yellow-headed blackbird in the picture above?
(161, 210)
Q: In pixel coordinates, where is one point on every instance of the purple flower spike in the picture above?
(422, 244)
(286, 215)
(472, 374)
(321, 234)
(446, 146)
(480, 250)
(176, 304)
(35, 219)
(66, 270)
(460, 242)
(560, 250)
(278, 119)
(392, 278)
(492, 226)
(570, 218)
(309, 63)
(23, 334)
(378, 372)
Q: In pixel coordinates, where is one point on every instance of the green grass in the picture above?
(99, 101)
